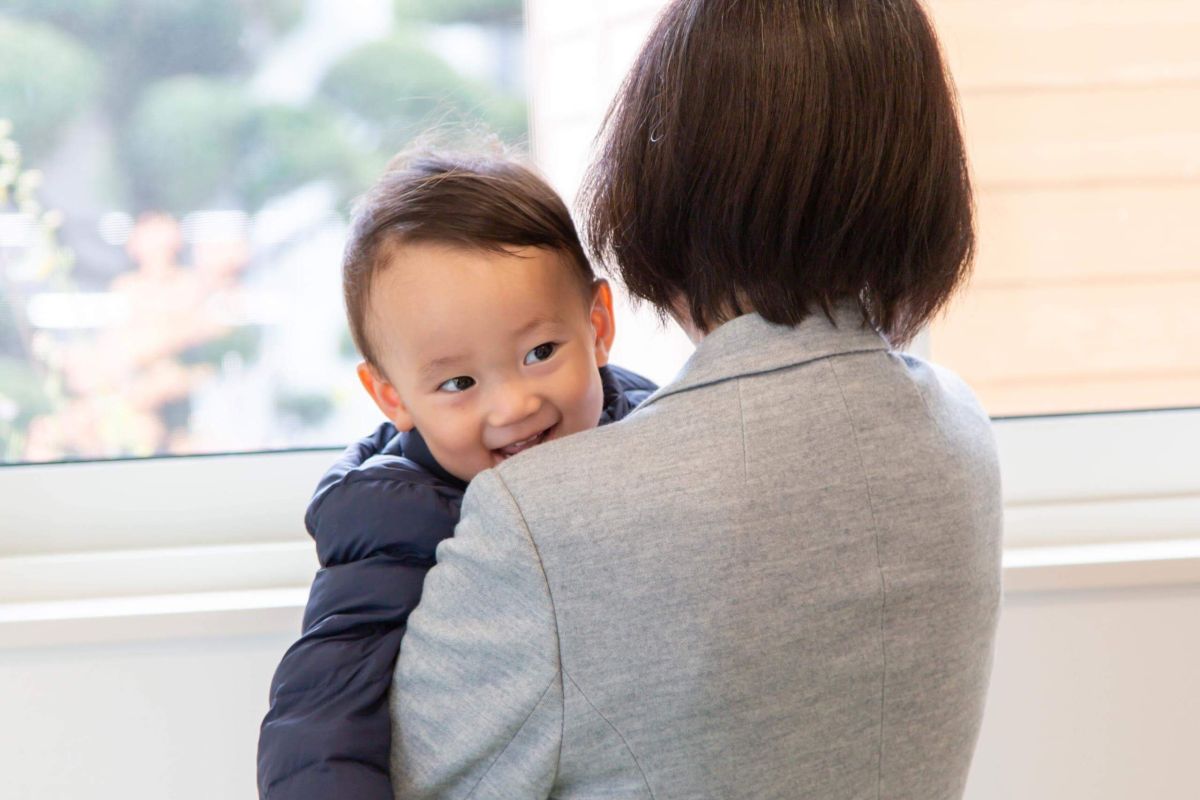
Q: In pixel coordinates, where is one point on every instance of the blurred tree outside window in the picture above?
(174, 185)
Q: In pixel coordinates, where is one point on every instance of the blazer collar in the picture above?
(748, 345)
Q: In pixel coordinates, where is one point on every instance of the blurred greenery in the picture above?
(150, 39)
(46, 78)
(27, 388)
(170, 87)
(23, 385)
(400, 88)
(11, 340)
(283, 147)
(145, 40)
(346, 347)
(507, 115)
(397, 85)
(281, 15)
(245, 341)
(88, 19)
(309, 409)
(180, 37)
(192, 138)
(179, 141)
(506, 12)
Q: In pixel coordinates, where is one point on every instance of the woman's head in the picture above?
(780, 156)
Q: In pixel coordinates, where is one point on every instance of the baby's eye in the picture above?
(540, 353)
(455, 385)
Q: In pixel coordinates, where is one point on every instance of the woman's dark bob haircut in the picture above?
(781, 156)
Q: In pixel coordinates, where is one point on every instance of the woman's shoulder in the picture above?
(937, 380)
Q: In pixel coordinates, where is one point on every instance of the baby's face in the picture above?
(487, 354)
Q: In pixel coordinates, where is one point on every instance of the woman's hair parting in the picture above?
(781, 156)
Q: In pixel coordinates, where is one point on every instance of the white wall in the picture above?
(135, 721)
(1093, 696)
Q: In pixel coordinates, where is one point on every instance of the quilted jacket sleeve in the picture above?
(327, 733)
(624, 390)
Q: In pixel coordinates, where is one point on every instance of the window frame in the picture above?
(178, 546)
(1089, 479)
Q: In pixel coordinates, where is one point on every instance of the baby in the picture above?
(483, 332)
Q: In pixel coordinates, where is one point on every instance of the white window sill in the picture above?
(277, 611)
(1124, 565)
(132, 550)
(164, 593)
(151, 617)
(1100, 478)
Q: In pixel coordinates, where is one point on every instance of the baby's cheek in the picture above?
(591, 401)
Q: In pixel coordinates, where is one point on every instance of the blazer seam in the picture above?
(879, 566)
(742, 420)
(513, 738)
(934, 419)
(607, 721)
(562, 724)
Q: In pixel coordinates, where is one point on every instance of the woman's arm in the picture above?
(477, 702)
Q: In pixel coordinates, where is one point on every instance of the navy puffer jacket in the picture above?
(377, 517)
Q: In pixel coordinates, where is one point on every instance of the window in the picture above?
(1082, 123)
(1080, 216)
(1082, 126)
(174, 184)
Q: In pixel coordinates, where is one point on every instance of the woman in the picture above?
(780, 576)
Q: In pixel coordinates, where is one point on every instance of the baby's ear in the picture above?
(603, 320)
(385, 396)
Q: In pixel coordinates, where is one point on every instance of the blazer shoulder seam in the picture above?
(513, 738)
(879, 565)
(537, 553)
(607, 721)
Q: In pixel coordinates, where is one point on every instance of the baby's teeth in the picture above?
(515, 447)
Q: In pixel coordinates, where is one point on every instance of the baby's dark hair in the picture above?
(472, 201)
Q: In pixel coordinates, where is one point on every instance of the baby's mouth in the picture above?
(518, 447)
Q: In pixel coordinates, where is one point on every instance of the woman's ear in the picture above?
(603, 321)
(385, 396)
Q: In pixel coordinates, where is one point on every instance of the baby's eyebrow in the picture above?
(537, 322)
(440, 365)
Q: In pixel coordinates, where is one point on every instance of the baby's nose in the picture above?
(511, 403)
